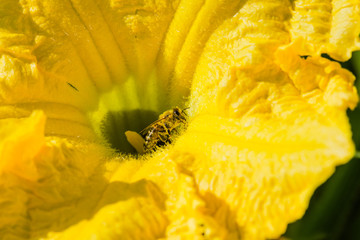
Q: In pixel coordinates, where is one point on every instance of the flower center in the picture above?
(131, 106)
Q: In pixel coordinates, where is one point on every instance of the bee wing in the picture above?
(142, 132)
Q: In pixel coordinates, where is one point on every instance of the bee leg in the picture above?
(163, 138)
(176, 131)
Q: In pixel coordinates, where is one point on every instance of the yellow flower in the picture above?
(267, 120)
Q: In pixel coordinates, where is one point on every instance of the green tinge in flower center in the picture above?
(132, 106)
(115, 123)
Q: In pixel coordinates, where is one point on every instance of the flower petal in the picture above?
(46, 183)
(268, 126)
(136, 214)
(188, 215)
(191, 27)
(326, 27)
(139, 27)
(319, 80)
(24, 134)
(265, 169)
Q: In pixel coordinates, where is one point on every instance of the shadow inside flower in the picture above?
(116, 123)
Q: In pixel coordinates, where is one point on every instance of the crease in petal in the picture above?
(61, 20)
(27, 135)
(346, 29)
(317, 77)
(139, 27)
(248, 41)
(137, 213)
(69, 188)
(179, 56)
(326, 27)
(44, 180)
(93, 20)
(38, 66)
(187, 213)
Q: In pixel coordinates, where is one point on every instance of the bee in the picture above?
(158, 133)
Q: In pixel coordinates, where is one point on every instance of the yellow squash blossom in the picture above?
(267, 121)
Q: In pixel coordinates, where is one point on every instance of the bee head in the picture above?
(179, 114)
(176, 112)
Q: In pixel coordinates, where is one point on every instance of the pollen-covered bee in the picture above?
(158, 133)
